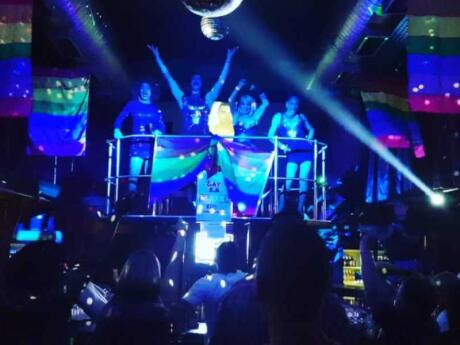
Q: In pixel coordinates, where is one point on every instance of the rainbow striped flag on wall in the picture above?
(15, 58)
(57, 125)
(433, 47)
(390, 118)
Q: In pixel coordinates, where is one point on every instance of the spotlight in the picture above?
(321, 181)
(437, 199)
(206, 246)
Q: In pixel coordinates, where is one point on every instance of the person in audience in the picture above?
(404, 314)
(292, 280)
(447, 287)
(452, 335)
(135, 315)
(37, 309)
(403, 244)
(241, 317)
(210, 289)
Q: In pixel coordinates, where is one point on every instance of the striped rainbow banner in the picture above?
(57, 125)
(433, 47)
(390, 118)
(246, 171)
(15, 58)
(178, 161)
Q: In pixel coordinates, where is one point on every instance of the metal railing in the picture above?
(318, 169)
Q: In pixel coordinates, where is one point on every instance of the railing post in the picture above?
(117, 169)
(323, 187)
(315, 176)
(55, 170)
(155, 148)
(275, 177)
(109, 178)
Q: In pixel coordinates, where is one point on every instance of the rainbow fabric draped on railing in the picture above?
(246, 170)
(15, 58)
(178, 161)
(57, 125)
(433, 47)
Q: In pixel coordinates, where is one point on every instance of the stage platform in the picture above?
(192, 219)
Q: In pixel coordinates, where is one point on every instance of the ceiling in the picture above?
(305, 28)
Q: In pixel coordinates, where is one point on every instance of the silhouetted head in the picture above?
(36, 269)
(140, 276)
(443, 283)
(292, 104)
(246, 105)
(145, 92)
(400, 209)
(292, 271)
(196, 83)
(227, 258)
(416, 297)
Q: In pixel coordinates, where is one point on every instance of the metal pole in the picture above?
(109, 179)
(117, 170)
(323, 188)
(248, 245)
(55, 169)
(155, 148)
(315, 175)
(275, 179)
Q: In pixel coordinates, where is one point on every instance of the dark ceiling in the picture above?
(303, 25)
(305, 28)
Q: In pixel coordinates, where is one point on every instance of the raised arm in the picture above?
(234, 94)
(117, 133)
(264, 103)
(212, 95)
(173, 86)
(378, 292)
(309, 127)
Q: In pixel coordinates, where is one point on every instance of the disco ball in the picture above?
(214, 28)
(212, 8)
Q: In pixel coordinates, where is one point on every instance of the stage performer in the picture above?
(292, 124)
(195, 107)
(146, 119)
(246, 113)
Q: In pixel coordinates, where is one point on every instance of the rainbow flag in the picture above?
(246, 171)
(433, 47)
(57, 125)
(15, 58)
(390, 119)
(176, 164)
(178, 161)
